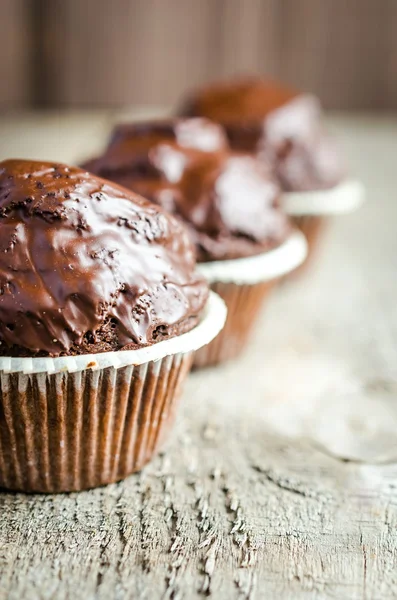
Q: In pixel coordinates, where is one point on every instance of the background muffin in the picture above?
(284, 128)
(280, 124)
(229, 201)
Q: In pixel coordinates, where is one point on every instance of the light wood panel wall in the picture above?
(16, 54)
(101, 52)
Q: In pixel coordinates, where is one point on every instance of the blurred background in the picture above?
(111, 53)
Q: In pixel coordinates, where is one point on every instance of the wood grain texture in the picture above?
(340, 50)
(97, 53)
(115, 53)
(253, 497)
(16, 46)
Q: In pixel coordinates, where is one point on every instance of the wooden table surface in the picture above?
(280, 479)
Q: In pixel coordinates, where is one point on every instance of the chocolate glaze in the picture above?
(87, 266)
(228, 201)
(279, 124)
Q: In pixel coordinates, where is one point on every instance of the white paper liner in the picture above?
(213, 320)
(343, 198)
(263, 267)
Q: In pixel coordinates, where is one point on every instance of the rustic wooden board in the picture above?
(253, 497)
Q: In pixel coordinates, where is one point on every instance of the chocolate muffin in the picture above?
(101, 310)
(281, 125)
(229, 201)
(87, 267)
(284, 128)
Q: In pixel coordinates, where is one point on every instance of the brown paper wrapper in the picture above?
(312, 226)
(243, 305)
(72, 431)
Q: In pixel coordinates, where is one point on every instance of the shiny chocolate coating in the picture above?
(87, 266)
(227, 200)
(281, 125)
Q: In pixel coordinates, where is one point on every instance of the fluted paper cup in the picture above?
(244, 284)
(72, 423)
(311, 211)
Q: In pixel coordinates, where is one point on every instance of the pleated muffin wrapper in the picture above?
(244, 284)
(311, 211)
(78, 422)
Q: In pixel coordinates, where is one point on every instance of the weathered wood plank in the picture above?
(253, 497)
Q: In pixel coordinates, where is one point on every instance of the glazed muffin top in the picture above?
(227, 200)
(245, 100)
(281, 125)
(87, 266)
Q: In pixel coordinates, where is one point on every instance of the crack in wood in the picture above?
(244, 577)
(364, 568)
(292, 485)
